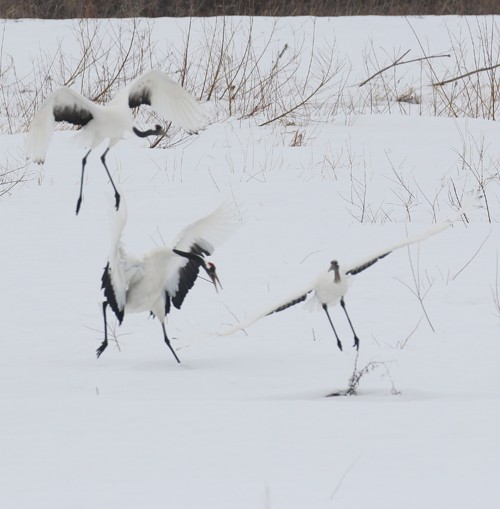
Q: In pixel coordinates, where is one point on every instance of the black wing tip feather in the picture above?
(109, 293)
(139, 97)
(302, 298)
(189, 273)
(73, 114)
(167, 303)
(361, 268)
(195, 251)
(187, 277)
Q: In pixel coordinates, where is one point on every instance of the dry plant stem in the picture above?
(472, 257)
(408, 201)
(11, 177)
(358, 374)
(461, 77)
(313, 46)
(495, 290)
(458, 200)
(403, 343)
(83, 63)
(417, 290)
(343, 477)
(398, 62)
(185, 61)
(121, 66)
(114, 336)
(220, 61)
(435, 201)
(446, 97)
(477, 168)
(296, 106)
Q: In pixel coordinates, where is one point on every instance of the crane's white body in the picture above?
(145, 283)
(112, 121)
(141, 284)
(327, 290)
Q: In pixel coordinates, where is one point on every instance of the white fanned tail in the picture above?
(120, 264)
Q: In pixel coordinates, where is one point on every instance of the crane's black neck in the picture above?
(190, 256)
(337, 275)
(157, 131)
(335, 267)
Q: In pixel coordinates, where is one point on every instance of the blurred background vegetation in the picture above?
(179, 8)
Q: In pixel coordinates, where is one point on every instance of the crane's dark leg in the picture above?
(84, 162)
(356, 339)
(104, 344)
(117, 194)
(168, 343)
(339, 344)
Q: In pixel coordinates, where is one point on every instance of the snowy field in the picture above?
(244, 422)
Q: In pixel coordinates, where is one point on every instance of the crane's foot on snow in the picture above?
(101, 349)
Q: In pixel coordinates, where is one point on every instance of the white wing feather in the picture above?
(170, 100)
(43, 123)
(207, 233)
(419, 237)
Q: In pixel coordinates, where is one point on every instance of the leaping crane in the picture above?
(164, 275)
(112, 121)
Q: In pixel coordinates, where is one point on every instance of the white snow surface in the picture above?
(244, 422)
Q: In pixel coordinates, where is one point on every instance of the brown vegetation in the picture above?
(175, 8)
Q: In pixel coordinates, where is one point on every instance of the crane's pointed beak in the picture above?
(215, 280)
(212, 274)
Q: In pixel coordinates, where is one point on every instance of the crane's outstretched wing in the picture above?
(168, 99)
(361, 265)
(292, 300)
(198, 240)
(62, 105)
(120, 268)
(368, 262)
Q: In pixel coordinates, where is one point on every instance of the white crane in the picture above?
(162, 276)
(154, 88)
(331, 285)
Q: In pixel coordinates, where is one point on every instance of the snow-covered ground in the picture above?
(243, 421)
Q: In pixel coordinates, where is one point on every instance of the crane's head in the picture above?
(212, 274)
(334, 265)
(207, 265)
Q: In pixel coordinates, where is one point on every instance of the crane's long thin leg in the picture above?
(168, 343)
(104, 344)
(117, 194)
(356, 339)
(339, 344)
(84, 162)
